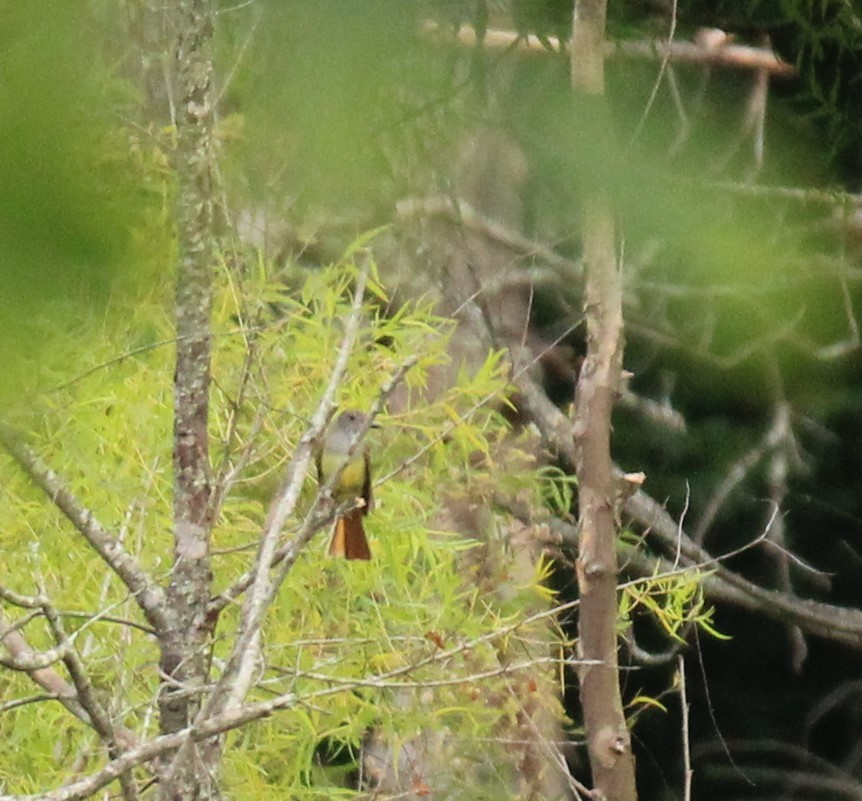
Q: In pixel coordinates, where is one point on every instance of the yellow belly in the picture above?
(352, 481)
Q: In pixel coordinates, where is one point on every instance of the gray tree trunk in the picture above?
(191, 772)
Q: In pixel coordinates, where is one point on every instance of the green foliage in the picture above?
(674, 601)
(415, 641)
(391, 644)
(559, 489)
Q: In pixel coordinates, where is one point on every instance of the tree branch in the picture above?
(835, 623)
(724, 55)
(100, 720)
(148, 595)
(23, 658)
(36, 665)
(462, 213)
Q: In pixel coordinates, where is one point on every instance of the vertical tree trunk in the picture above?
(185, 642)
(608, 739)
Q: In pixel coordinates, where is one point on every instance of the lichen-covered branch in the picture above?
(23, 657)
(147, 594)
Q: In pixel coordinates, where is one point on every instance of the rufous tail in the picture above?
(348, 539)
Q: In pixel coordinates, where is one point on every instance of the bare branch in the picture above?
(753, 125)
(820, 197)
(729, 55)
(149, 596)
(737, 473)
(184, 641)
(8, 706)
(657, 412)
(23, 658)
(852, 342)
(451, 681)
(778, 470)
(100, 720)
(665, 63)
(835, 623)
(228, 472)
(241, 715)
(612, 761)
(47, 678)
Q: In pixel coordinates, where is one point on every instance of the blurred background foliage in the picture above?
(81, 212)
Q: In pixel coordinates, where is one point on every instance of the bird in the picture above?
(354, 483)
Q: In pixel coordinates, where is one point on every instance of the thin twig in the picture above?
(8, 706)
(737, 473)
(688, 773)
(47, 678)
(839, 624)
(463, 213)
(662, 69)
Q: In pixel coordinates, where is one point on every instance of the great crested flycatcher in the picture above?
(348, 538)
